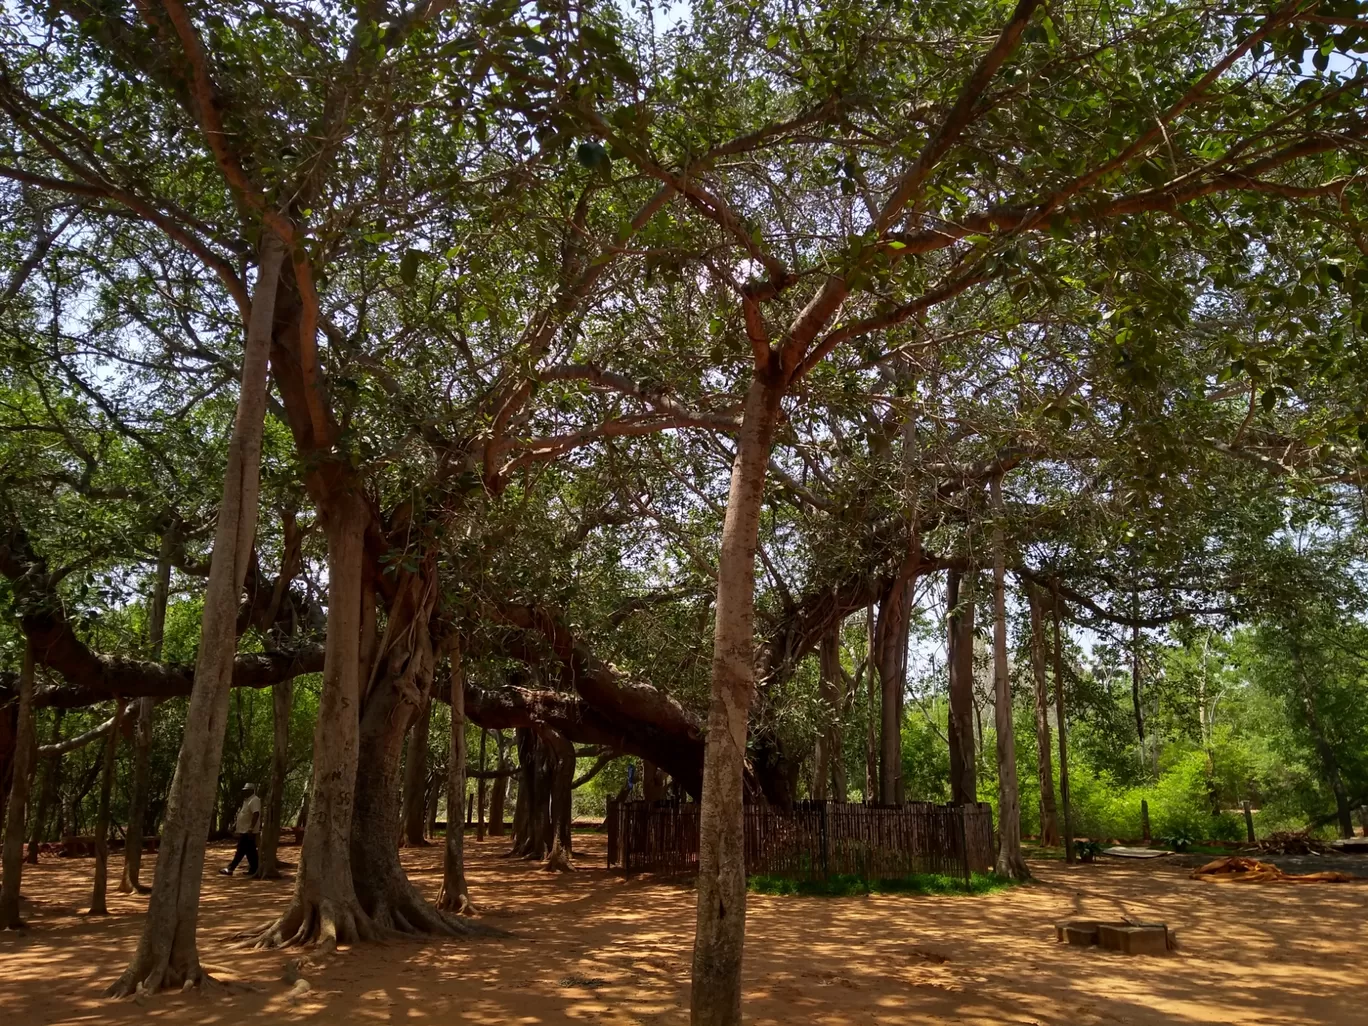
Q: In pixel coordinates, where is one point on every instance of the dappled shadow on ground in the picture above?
(594, 947)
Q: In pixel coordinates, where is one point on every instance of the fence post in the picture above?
(826, 842)
(1249, 820)
(964, 849)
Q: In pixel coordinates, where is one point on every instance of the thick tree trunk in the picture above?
(167, 954)
(1009, 861)
(455, 893)
(1049, 824)
(499, 792)
(481, 786)
(562, 753)
(1062, 722)
(324, 907)
(721, 923)
(891, 644)
(15, 808)
(142, 726)
(47, 794)
(415, 779)
(829, 757)
(395, 701)
(652, 782)
(98, 890)
(268, 865)
(960, 658)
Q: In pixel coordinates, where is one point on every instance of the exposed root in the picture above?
(140, 980)
(558, 861)
(324, 924)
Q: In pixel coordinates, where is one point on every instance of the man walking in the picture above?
(247, 825)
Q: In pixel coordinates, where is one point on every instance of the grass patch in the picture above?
(850, 885)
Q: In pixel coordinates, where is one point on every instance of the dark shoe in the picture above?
(226, 872)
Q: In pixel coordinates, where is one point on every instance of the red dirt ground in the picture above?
(594, 947)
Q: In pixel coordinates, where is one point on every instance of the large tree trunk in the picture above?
(323, 907)
(721, 922)
(455, 893)
(532, 815)
(415, 779)
(499, 792)
(268, 865)
(1062, 722)
(111, 753)
(891, 645)
(13, 852)
(404, 686)
(1009, 861)
(960, 645)
(142, 725)
(47, 794)
(652, 782)
(562, 753)
(1049, 824)
(829, 758)
(167, 954)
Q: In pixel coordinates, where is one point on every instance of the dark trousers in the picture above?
(246, 846)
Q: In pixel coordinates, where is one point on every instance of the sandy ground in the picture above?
(594, 947)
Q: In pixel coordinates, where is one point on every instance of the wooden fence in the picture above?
(812, 840)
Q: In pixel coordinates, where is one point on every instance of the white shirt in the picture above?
(251, 807)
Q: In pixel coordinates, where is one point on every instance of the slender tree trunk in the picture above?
(1062, 722)
(98, 906)
(268, 864)
(481, 788)
(960, 660)
(15, 809)
(891, 641)
(145, 709)
(415, 779)
(829, 739)
(871, 789)
(721, 922)
(1049, 824)
(1009, 861)
(562, 753)
(323, 907)
(167, 954)
(499, 792)
(1136, 701)
(455, 893)
(47, 794)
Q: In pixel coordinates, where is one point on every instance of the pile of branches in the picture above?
(1291, 842)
